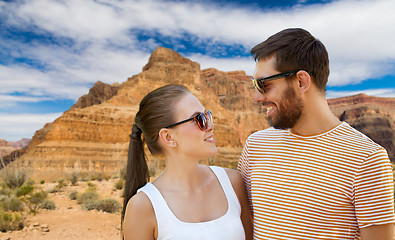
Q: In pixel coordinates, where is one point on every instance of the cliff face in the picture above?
(10, 150)
(94, 133)
(373, 116)
(5, 148)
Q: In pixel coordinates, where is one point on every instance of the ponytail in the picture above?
(155, 112)
(137, 174)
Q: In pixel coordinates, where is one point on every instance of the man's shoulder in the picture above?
(353, 134)
(270, 132)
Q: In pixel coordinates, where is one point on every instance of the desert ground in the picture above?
(69, 221)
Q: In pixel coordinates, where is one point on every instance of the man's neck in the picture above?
(316, 118)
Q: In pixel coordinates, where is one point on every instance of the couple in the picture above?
(310, 176)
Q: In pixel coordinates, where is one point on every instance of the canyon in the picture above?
(93, 135)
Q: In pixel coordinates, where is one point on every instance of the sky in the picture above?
(53, 51)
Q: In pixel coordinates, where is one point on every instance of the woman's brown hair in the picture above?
(156, 111)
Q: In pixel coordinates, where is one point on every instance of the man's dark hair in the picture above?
(296, 48)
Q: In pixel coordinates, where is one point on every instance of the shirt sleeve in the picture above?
(244, 168)
(374, 191)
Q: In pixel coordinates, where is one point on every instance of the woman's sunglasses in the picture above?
(202, 120)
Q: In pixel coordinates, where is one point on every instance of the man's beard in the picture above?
(288, 111)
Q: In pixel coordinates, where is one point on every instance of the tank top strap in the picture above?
(161, 209)
(226, 185)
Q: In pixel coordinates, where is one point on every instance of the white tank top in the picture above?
(228, 227)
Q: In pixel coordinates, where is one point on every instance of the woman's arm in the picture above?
(246, 216)
(140, 221)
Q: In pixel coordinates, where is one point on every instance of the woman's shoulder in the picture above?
(233, 174)
(235, 178)
(139, 216)
(139, 205)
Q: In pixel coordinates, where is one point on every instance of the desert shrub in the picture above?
(42, 182)
(96, 176)
(91, 186)
(118, 184)
(10, 221)
(90, 205)
(107, 177)
(74, 176)
(61, 184)
(5, 191)
(48, 204)
(73, 195)
(12, 204)
(24, 190)
(109, 205)
(13, 175)
(34, 200)
(84, 176)
(87, 196)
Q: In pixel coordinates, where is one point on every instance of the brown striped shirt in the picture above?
(326, 186)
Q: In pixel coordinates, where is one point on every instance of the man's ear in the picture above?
(304, 81)
(165, 136)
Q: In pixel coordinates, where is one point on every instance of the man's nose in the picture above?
(258, 96)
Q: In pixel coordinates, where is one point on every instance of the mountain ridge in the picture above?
(94, 133)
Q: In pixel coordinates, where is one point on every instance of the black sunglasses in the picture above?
(258, 83)
(202, 120)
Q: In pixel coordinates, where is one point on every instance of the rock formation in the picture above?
(373, 116)
(94, 133)
(5, 148)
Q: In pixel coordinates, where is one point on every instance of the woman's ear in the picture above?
(165, 136)
(304, 81)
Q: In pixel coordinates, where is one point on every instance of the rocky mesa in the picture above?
(94, 133)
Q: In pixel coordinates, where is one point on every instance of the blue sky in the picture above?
(52, 51)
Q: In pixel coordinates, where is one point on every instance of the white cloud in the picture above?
(224, 64)
(99, 44)
(14, 127)
(96, 41)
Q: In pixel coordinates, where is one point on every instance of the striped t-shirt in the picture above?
(326, 186)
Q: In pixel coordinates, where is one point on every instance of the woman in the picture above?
(188, 200)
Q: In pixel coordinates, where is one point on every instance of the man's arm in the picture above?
(378, 232)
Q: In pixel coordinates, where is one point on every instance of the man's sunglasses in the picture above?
(258, 83)
(202, 120)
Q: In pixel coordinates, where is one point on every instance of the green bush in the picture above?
(73, 195)
(12, 204)
(87, 196)
(61, 184)
(42, 181)
(91, 186)
(109, 205)
(10, 221)
(24, 190)
(35, 199)
(48, 204)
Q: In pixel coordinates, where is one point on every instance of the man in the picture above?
(311, 176)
